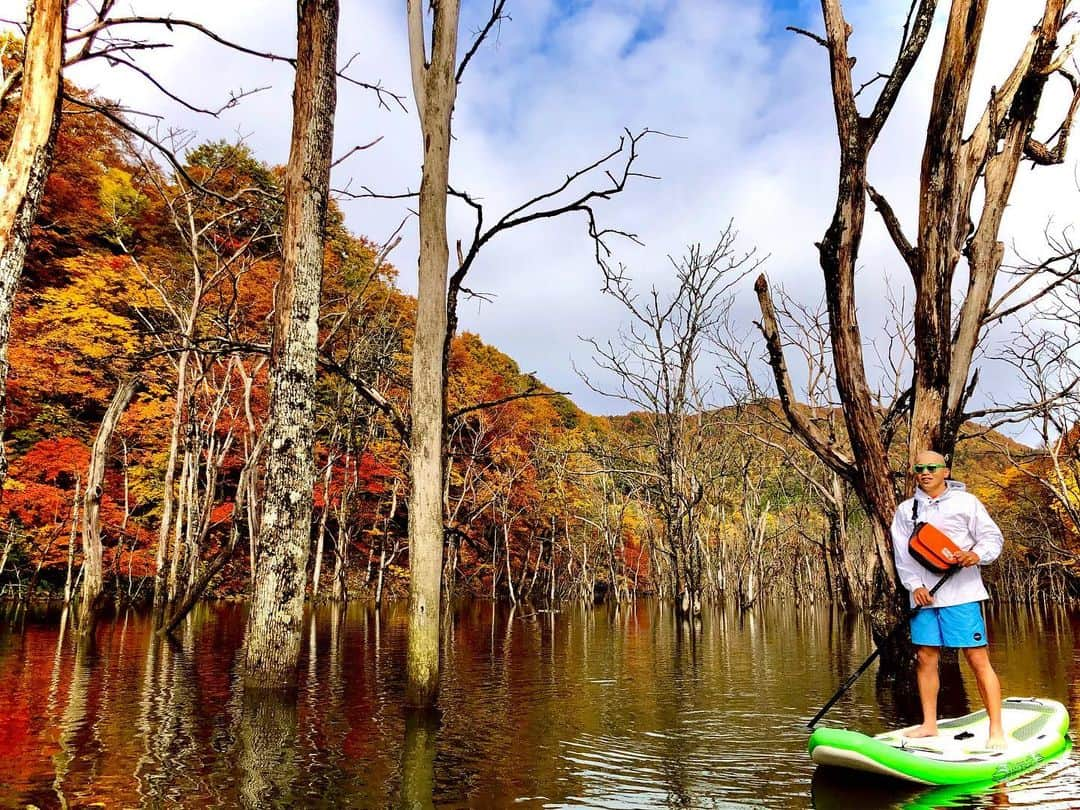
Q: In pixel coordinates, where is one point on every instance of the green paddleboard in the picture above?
(1035, 730)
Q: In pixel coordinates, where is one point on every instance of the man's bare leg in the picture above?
(927, 677)
(978, 659)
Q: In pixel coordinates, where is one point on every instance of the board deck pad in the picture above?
(1035, 730)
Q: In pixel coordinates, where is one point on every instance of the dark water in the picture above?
(583, 708)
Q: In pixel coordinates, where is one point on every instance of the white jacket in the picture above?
(962, 516)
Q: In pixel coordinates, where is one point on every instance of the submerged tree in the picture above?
(436, 74)
(272, 644)
(91, 529)
(435, 88)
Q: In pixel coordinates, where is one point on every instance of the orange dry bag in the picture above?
(931, 547)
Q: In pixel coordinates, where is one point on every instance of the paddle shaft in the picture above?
(877, 650)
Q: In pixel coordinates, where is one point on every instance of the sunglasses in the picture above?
(928, 467)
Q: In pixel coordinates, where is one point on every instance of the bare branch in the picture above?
(896, 231)
(896, 412)
(372, 396)
(807, 431)
(354, 150)
(916, 33)
(529, 393)
(418, 57)
(530, 210)
(820, 40)
(1040, 153)
(997, 311)
(173, 22)
(496, 16)
(234, 97)
(9, 82)
(870, 82)
(105, 111)
(104, 24)
(378, 90)
(1021, 411)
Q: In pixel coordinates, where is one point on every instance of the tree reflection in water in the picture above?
(266, 749)
(418, 759)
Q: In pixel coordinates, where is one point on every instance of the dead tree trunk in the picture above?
(951, 226)
(91, 524)
(272, 644)
(320, 542)
(435, 82)
(435, 88)
(26, 164)
(169, 490)
(8, 543)
(69, 591)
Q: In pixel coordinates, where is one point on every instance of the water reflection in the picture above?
(266, 747)
(899, 697)
(418, 760)
(586, 707)
(837, 789)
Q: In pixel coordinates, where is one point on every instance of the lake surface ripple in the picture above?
(584, 707)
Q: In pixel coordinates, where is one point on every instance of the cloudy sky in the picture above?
(552, 90)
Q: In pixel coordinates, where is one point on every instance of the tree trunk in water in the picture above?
(272, 644)
(169, 496)
(91, 525)
(321, 541)
(509, 573)
(176, 556)
(7, 549)
(27, 163)
(341, 550)
(68, 591)
(435, 87)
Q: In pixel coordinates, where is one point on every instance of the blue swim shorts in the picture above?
(952, 626)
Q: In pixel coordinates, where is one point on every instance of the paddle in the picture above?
(877, 650)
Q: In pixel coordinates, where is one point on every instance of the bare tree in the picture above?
(239, 528)
(954, 223)
(91, 526)
(436, 74)
(221, 241)
(804, 333)
(272, 643)
(435, 89)
(654, 366)
(1044, 486)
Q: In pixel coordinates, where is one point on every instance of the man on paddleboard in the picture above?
(953, 616)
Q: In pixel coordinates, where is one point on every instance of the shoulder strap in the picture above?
(914, 510)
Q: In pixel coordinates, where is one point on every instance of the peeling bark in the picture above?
(272, 644)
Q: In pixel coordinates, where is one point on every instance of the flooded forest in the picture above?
(252, 460)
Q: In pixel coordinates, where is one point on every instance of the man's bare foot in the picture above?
(922, 731)
(996, 742)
